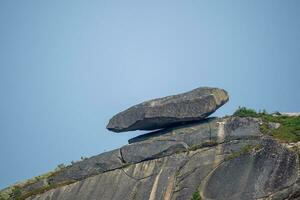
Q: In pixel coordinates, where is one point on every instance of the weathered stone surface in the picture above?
(257, 174)
(164, 112)
(146, 180)
(148, 150)
(206, 132)
(253, 176)
(225, 158)
(97, 164)
(159, 144)
(273, 125)
(208, 156)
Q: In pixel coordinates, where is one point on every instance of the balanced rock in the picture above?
(167, 111)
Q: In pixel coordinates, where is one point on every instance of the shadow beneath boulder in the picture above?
(168, 129)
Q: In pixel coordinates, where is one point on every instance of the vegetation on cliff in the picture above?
(196, 196)
(288, 131)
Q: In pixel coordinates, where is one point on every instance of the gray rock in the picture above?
(266, 172)
(254, 175)
(226, 158)
(147, 150)
(164, 112)
(206, 132)
(95, 165)
(273, 125)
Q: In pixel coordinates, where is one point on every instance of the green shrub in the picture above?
(245, 112)
(16, 193)
(196, 196)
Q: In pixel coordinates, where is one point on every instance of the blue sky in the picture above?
(66, 67)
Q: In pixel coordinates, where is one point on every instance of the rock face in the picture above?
(164, 112)
(218, 158)
(222, 159)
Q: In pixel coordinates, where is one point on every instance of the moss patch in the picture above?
(247, 149)
(205, 144)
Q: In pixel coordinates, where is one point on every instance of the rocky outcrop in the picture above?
(230, 158)
(164, 112)
(225, 158)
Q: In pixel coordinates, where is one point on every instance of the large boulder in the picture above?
(167, 111)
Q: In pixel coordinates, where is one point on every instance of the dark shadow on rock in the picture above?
(168, 129)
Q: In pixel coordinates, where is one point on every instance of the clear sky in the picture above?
(66, 67)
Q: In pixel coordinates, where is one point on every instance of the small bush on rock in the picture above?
(16, 193)
(196, 196)
(245, 112)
